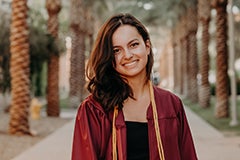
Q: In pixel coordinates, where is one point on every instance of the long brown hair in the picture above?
(105, 84)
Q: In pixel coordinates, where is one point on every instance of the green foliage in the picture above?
(208, 115)
(42, 45)
(4, 52)
(213, 88)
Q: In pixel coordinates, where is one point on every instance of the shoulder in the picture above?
(165, 94)
(90, 107)
(167, 100)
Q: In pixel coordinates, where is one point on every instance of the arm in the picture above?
(91, 133)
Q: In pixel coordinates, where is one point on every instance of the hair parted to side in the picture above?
(105, 83)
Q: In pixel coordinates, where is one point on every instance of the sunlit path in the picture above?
(210, 143)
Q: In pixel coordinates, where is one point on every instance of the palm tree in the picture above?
(90, 24)
(222, 85)
(192, 25)
(204, 13)
(53, 7)
(177, 58)
(19, 69)
(82, 27)
(77, 70)
(184, 55)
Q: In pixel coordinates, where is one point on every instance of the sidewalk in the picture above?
(56, 146)
(210, 144)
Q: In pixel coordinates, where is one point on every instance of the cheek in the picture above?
(117, 60)
(143, 53)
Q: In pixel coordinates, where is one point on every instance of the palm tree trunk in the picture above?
(184, 56)
(79, 29)
(82, 66)
(178, 60)
(204, 88)
(90, 23)
(74, 71)
(20, 71)
(77, 80)
(193, 59)
(53, 109)
(174, 46)
(222, 83)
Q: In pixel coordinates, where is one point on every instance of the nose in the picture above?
(128, 54)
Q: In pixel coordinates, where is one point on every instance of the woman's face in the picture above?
(131, 52)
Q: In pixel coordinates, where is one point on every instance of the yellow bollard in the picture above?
(35, 109)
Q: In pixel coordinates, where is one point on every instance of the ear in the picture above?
(148, 46)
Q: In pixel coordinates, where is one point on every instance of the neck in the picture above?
(139, 88)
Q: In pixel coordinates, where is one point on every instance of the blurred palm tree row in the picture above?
(183, 18)
(20, 66)
(185, 39)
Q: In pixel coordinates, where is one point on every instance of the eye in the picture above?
(116, 50)
(135, 44)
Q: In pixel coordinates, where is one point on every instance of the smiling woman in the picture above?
(131, 52)
(125, 116)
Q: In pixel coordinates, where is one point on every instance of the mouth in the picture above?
(130, 63)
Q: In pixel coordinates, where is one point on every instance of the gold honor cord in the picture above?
(114, 134)
(156, 126)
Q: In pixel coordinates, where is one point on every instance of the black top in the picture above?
(137, 141)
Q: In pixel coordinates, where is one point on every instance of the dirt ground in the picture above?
(11, 146)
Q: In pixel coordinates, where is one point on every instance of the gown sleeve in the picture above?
(91, 133)
(187, 149)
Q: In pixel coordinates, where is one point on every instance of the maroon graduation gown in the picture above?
(92, 134)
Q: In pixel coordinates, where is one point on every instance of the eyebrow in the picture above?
(135, 39)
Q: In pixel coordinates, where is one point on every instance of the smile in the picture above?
(130, 63)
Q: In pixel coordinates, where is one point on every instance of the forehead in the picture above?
(124, 34)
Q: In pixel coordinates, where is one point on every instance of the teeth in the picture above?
(131, 63)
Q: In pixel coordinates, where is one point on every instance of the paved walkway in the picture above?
(210, 144)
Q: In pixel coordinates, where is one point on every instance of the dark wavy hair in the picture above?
(105, 83)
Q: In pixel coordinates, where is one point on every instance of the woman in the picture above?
(125, 116)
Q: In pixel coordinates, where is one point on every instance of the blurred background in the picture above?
(45, 44)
